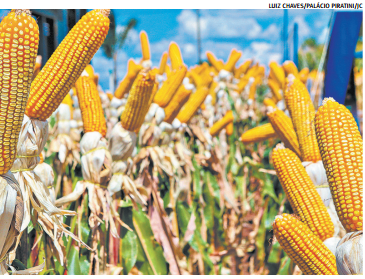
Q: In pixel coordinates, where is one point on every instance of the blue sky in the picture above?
(257, 33)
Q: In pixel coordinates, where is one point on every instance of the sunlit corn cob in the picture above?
(259, 133)
(303, 75)
(90, 71)
(303, 247)
(340, 144)
(212, 92)
(260, 72)
(243, 68)
(290, 68)
(126, 84)
(269, 103)
(284, 128)
(252, 92)
(275, 90)
(214, 61)
(146, 54)
(178, 100)
(138, 101)
(168, 70)
(90, 106)
(170, 86)
(175, 56)
(221, 123)
(66, 64)
(301, 109)
(192, 105)
(278, 74)
(234, 56)
(37, 66)
(301, 192)
(163, 62)
(229, 129)
(110, 96)
(19, 38)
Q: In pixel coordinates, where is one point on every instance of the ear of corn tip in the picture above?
(146, 54)
(259, 133)
(175, 56)
(222, 123)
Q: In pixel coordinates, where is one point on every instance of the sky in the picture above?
(256, 33)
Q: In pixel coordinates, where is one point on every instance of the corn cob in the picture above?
(126, 84)
(193, 104)
(340, 144)
(68, 101)
(303, 247)
(303, 75)
(170, 86)
(110, 96)
(96, 79)
(243, 83)
(146, 54)
(175, 56)
(90, 71)
(270, 103)
(301, 192)
(66, 64)
(243, 68)
(221, 124)
(178, 100)
(168, 70)
(234, 56)
(138, 101)
(213, 61)
(284, 128)
(19, 38)
(290, 68)
(260, 72)
(229, 129)
(163, 62)
(275, 89)
(278, 74)
(252, 93)
(37, 66)
(259, 133)
(302, 113)
(90, 106)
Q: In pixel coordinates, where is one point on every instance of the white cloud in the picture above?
(323, 36)
(304, 30)
(272, 32)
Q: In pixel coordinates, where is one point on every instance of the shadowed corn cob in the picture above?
(303, 247)
(212, 92)
(229, 129)
(259, 133)
(90, 106)
(37, 66)
(19, 38)
(243, 68)
(290, 68)
(221, 124)
(169, 87)
(175, 56)
(178, 100)
(303, 75)
(270, 103)
(284, 128)
(275, 90)
(126, 84)
(301, 109)
(146, 54)
(242, 83)
(234, 56)
(278, 74)
(138, 101)
(340, 144)
(66, 64)
(192, 105)
(214, 61)
(163, 62)
(301, 192)
(252, 93)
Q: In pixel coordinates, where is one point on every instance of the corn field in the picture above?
(214, 169)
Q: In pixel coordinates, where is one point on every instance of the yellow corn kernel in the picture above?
(275, 90)
(214, 61)
(19, 38)
(90, 71)
(37, 66)
(212, 92)
(170, 86)
(163, 62)
(341, 145)
(145, 45)
(252, 93)
(301, 192)
(193, 104)
(66, 64)
(284, 128)
(270, 103)
(303, 247)
(221, 124)
(229, 129)
(90, 105)
(278, 74)
(126, 84)
(175, 56)
(301, 109)
(290, 68)
(178, 100)
(168, 70)
(243, 68)
(138, 101)
(303, 75)
(234, 56)
(259, 133)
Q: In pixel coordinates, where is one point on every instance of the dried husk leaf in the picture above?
(349, 254)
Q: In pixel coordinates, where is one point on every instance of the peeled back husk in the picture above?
(349, 254)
